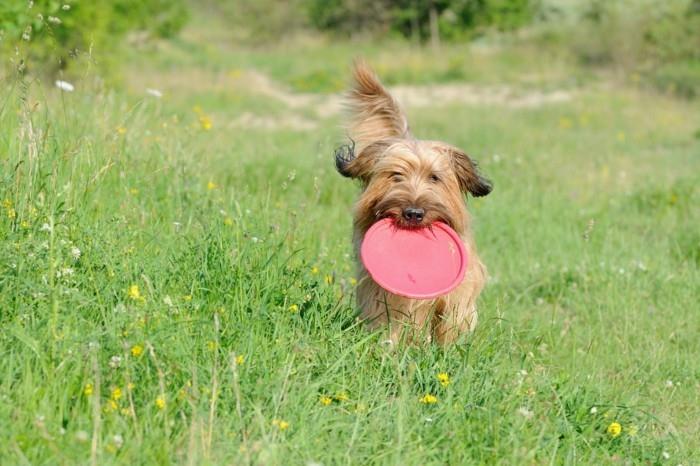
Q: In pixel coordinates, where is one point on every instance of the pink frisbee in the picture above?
(416, 263)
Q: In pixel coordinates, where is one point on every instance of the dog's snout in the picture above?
(413, 214)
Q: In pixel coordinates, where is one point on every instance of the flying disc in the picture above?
(419, 263)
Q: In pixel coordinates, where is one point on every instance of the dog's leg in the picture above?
(456, 312)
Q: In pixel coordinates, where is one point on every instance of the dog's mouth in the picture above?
(401, 221)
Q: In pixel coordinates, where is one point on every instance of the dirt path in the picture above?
(300, 105)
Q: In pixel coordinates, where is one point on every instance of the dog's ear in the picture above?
(352, 164)
(468, 176)
(375, 115)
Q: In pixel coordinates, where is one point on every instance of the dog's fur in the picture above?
(399, 171)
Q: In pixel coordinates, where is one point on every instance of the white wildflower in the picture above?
(66, 7)
(669, 384)
(666, 455)
(54, 20)
(594, 410)
(118, 440)
(168, 301)
(155, 93)
(65, 86)
(64, 272)
(75, 252)
(526, 413)
(115, 362)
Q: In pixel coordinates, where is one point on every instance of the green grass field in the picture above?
(176, 276)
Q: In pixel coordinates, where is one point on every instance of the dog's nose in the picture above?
(413, 214)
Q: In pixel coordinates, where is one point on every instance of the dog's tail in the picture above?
(374, 113)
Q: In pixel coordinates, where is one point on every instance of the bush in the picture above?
(659, 40)
(412, 18)
(636, 32)
(48, 33)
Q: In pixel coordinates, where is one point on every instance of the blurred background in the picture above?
(644, 41)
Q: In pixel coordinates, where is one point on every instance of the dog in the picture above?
(416, 182)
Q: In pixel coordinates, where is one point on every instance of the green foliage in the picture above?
(256, 21)
(350, 17)
(49, 34)
(658, 40)
(411, 18)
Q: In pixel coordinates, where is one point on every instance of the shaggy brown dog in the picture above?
(416, 182)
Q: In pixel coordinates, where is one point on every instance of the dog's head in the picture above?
(414, 181)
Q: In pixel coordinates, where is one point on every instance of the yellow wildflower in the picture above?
(136, 351)
(135, 293)
(565, 123)
(341, 396)
(211, 186)
(24, 224)
(187, 298)
(6, 203)
(110, 406)
(11, 213)
(428, 399)
(325, 400)
(125, 412)
(205, 122)
(116, 393)
(87, 391)
(314, 270)
(614, 429)
(121, 131)
(621, 136)
(353, 281)
(228, 221)
(443, 378)
(282, 425)
(133, 191)
(632, 430)
(211, 345)
(240, 359)
(293, 308)
(160, 402)
(328, 279)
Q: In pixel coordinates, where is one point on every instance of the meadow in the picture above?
(176, 274)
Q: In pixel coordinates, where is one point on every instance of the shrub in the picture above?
(412, 18)
(48, 33)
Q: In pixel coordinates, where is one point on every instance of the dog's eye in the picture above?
(396, 176)
(434, 178)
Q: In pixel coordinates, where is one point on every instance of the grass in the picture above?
(207, 275)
